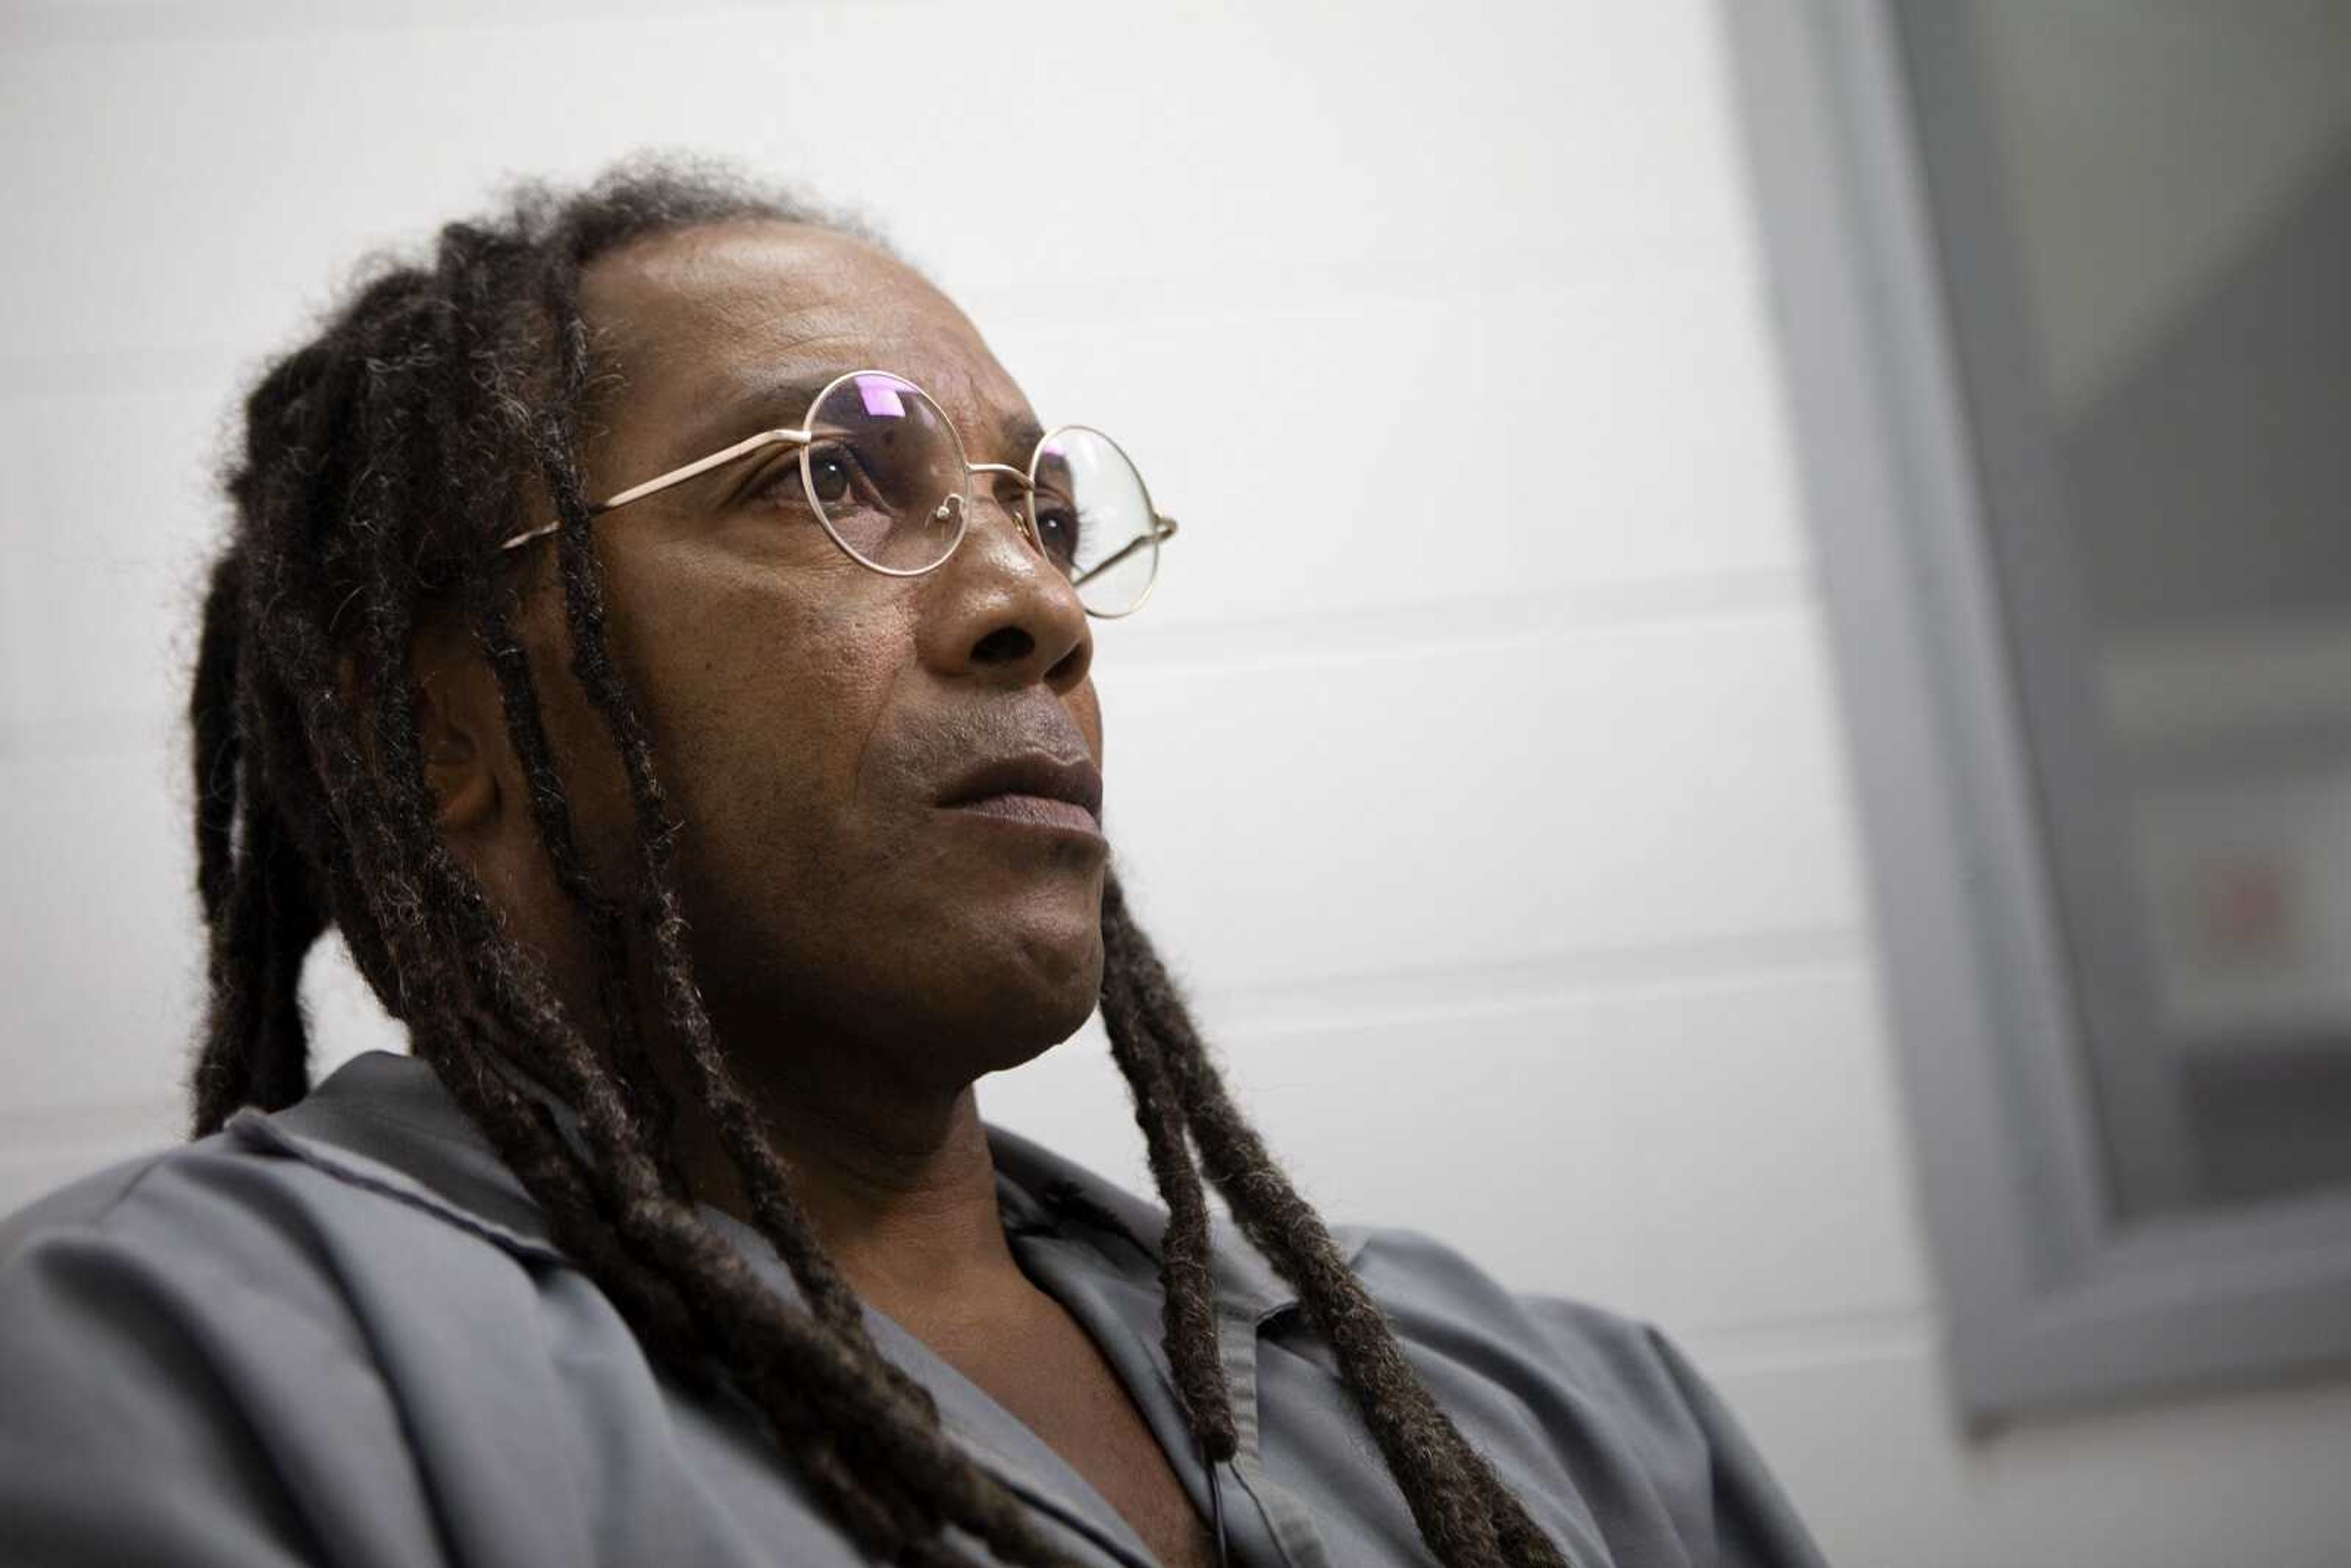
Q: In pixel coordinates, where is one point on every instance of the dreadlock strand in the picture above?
(1464, 1511)
(597, 1228)
(240, 884)
(473, 266)
(234, 909)
(1189, 1314)
(281, 1059)
(805, 1378)
(212, 722)
(531, 1144)
(224, 1076)
(253, 888)
(551, 815)
(775, 1207)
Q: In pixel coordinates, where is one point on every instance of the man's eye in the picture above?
(1058, 526)
(832, 467)
(832, 470)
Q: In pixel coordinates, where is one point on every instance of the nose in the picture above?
(1000, 611)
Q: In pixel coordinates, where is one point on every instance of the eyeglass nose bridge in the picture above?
(954, 510)
(1021, 515)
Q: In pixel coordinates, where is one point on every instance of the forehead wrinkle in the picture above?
(657, 316)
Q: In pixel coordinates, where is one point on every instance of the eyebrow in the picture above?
(773, 402)
(782, 400)
(1019, 434)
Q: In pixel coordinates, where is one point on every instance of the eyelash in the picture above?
(784, 473)
(772, 477)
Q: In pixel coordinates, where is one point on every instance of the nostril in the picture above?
(1071, 669)
(1005, 645)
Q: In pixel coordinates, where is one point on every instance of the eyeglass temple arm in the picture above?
(1162, 529)
(699, 467)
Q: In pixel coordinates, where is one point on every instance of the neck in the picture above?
(899, 1187)
(896, 1178)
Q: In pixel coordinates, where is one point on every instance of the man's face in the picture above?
(812, 719)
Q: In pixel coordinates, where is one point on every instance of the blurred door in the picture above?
(2144, 212)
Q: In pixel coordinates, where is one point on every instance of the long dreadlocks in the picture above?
(380, 463)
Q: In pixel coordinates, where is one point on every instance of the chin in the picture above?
(1041, 993)
(942, 981)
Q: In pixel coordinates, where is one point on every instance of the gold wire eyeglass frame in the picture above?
(1160, 528)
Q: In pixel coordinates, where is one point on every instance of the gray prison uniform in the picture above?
(341, 1334)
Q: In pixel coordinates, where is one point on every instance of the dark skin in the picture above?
(866, 952)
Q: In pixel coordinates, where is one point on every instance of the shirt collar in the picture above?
(385, 1119)
(1036, 1185)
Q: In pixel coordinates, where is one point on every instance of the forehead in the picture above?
(705, 324)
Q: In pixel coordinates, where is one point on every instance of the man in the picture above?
(656, 635)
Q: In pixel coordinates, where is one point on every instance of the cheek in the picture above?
(760, 690)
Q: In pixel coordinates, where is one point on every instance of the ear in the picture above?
(458, 764)
(459, 726)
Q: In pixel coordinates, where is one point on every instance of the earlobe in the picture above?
(464, 786)
(465, 791)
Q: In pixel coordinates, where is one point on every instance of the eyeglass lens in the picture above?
(886, 473)
(881, 466)
(1094, 517)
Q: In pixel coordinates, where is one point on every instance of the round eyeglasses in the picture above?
(884, 472)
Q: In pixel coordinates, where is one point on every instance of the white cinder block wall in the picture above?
(1479, 762)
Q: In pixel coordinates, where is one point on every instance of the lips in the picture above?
(1033, 787)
